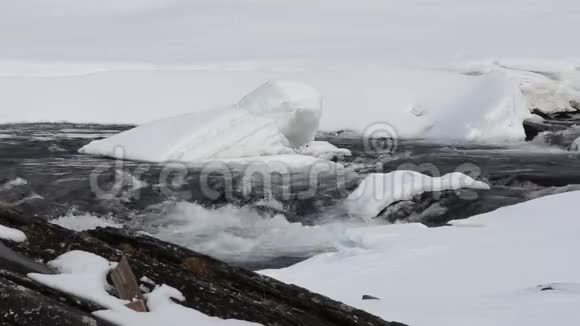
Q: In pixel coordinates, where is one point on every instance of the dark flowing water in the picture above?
(42, 173)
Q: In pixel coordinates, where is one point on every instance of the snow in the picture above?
(223, 133)
(83, 274)
(547, 86)
(11, 234)
(323, 150)
(379, 190)
(491, 269)
(280, 116)
(452, 104)
(85, 222)
(273, 119)
(295, 108)
(164, 311)
(285, 164)
(467, 70)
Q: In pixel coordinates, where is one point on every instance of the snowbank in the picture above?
(416, 103)
(514, 266)
(84, 275)
(274, 119)
(379, 190)
(11, 234)
(549, 86)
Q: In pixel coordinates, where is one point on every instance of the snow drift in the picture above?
(274, 119)
(379, 190)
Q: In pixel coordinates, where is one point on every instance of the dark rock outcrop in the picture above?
(558, 128)
(210, 286)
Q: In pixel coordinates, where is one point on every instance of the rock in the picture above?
(369, 297)
(552, 123)
(564, 139)
(22, 306)
(210, 286)
(534, 128)
(27, 283)
(541, 114)
(14, 216)
(18, 263)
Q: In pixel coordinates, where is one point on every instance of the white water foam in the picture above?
(13, 184)
(85, 222)
(244, 235)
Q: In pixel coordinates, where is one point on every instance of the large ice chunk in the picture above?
(296, 108)
(222, 133)
(273, 119)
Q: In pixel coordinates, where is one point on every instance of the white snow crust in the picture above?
(379, 190)
(513, 266)
(295, 108)
(84, 274)
(11, 234)
(262, 123)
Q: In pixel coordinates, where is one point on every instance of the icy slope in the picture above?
(514, 266)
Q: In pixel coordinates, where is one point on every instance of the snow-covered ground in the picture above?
(513, 266)
(440, 69)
